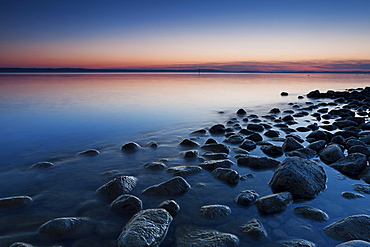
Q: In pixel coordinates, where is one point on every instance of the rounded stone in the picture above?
(247, 197)
(170, 206)
(130, 147)
(212, 212)
(126, 204)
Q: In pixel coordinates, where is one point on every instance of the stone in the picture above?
(274, 203)
(210, 141)
(126, 204)
(184, 171)
(317, 145)
(302, 177)
(311, 213)
(227, 175)
(339, 140)
(291, 144)
(213, 212)
(188, 143)
(275, 110)
(247, 197)
(254, 137)
(258, 163)
(345, 123)
(21, 244)
(272, 150)
(216, 148)
(152, 145)
(351, 165)
(214, 164)
(351, 195)
(359, 149)
(355, 227)
(234, 139)
(155, 166)
(317, 135)
(190, 236)
(305, 153)
(255, 127)
(272, 133)
(146, 228)
(331, 153)
(89, 152)
(68, 228)
(296, 243)
(215, 156)
(354, 243)
(248, 145)
(217, 129)
(15, 202)
(241, 112)
(170, 206)
(364, 188)
(284, 93)
(174, 186)
(131, 147)
(190, 154)
(41, 165)
(117, 186)
(254, 230)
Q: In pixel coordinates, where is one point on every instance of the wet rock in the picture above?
(364, 188)
(210, 141)
(351, 165)
(354, 142)
(174, 186)
(272, 133)
(275, 110)
(302, 177)
(365, 138)
(217, 129)
(190, 154)
(146, 228)
(152, 145)
(213, 212)
(274, 203)
(254, 230)
(355, 227)
(188, 143)
(170, 206)
(215, 156)
(351, 195)
(241, 112)
(317, 145)
(199, 132)
(341, 124)
(155, 166)
(305, 153)
(21, 244)
(354, 243)
(68, 228)
(184, 171)
(117, 186)
(248, 145)
(229, 176)
(130, 147)
(214, 164)
(331, 154)
(258, 163)
(234, 139)
(126, 204)
(89, 152)
(41, 165)
(247, 197)
(359, 149)
(190, 236)
(240, 152)
(255, 127)
(311, 213)
(272, 150)
(15, 202)
(317, 135)
(284, 93)
(303, 129)
(296, 243)
(216, 148)
(255, 137)
(291, 144)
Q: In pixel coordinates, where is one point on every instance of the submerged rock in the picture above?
(188, 143)
(89, 152)
(170, 206)
(41, 165)
(15, 202)
(258, 163)
(155, 166)
(364, 188)
(351, 195)
(214, 164)
(311, 213)
(230, 176)
(331, 153)
(126, 204)
(146, 228)
(274, 203)
(130, 147)
(254, 229)
(184, 170)
(272, 150)
(117, 186)
(215, 156)
(212, 212)
(217, 129)
(247, 197)
(234, 139)
(174, 186)
(351, 165)
(68, 228)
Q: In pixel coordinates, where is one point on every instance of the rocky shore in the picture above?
(297, 145)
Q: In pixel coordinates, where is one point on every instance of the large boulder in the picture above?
(331, 153)
(258, 163)
(272, 150)
(15, 202)
(174, 186)
(146, 228)
(248, 145)
(254, 230)
(274, 203)
(351, 165)
(302, 177)
(126, 204)
(68, 228)
(355, 227)
(117, 186)
(227, 175)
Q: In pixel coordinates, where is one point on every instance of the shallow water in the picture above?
(51, 117)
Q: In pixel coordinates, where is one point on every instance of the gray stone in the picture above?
(41, 165)
(126, 204)
(274, 203)
(227, 175)
(355, 227)
(305, 153)
(174, 186)
(351, 195)
(170, 206)
(317, 145)
(272, 150)
(146, 228)
(130, 147)
(354, 243)
(248, 145)
(188, 143)
(351, 165)
(258, 163)
(117, 186)
(291, 144)
(68, 228)
(155, 166)
(212, 212)
(364, 188)
(254, 230)
(331, 153)
(234, 139)
(89, 152)
(184, 171)
(15, 202)
(302, 177)
(214, 164)
(215, 156)
(216, 148)
(247, 197)
(311, 213)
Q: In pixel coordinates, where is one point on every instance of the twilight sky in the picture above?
(227, 34)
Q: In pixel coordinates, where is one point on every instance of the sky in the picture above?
(231, 35)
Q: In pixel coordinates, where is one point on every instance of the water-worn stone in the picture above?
(170, 206)
(214, 164)
(311, 213)
(302, 177)
(190, 154)
(216, 148)
(146, 228)
(130, 147)
(248, 145)
(117, 186)
(359, 149)
(296, 243)
(255, 127)
(354, 243)
(184, 171)
(21, 244)
(155, 166)
(15, 202)
(317, 135)
(227, 175)
(89, 152)
(258, 163)
(247, 197)
(254, 230)
(291, 144)
(317, 145)
(213, 212)
(305, 153)
(255, 137)
(174, 186)
(355, 227)
(68, 228)
(351, 195)
(41, 165)
(234, 139)
(274, 203)
(272, 133)
(215, 156)
(272, 150)
(217, 129)
(351, 165)
(364, 188)
(331, 153)
(189, 143)
(126, 204)
(190, 236)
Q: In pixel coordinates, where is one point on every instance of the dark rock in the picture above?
(199, 132)
(320, 135)
(217, 129)
(331, 153)
(247, 197)
(155, 166)
(354, 142)
(272, 133)
(275, 110)
(174, 186)
(258, 163)
(215, 156)
(170, 206)
(212, 212)
(254, 230)
(306, 153)
(216, 148)
(355, 227)
(311, 213)
(116, 187)
(317, 145)
(351, 195)
(365, 139)
(364, 188)
(130, 147)
(298, 138)
(188, 143)
(89, 152)
(291, 144)
(302, 177)
(274, 203)
(248, 145)
(214, 164)
(365, 126)
(345, 123)
(296, 243)
(288, 118)
(303, 129)
(246, 132)
(211, 141)
(234, 139)
(41, 165)
(339, 140)
(284, 93)
(351, 165)
(346, 134)
(354, 243)
(21, 244)
(255, 127)
(190, 154)
(126, 204)
(272, 150)
(68, 228)
(146, 228)
(184, 171)
(255, 137)
(15, 202)
(228, 175)
(152, 145)
(241, 112)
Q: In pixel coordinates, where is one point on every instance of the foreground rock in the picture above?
(254, 230)
(214, 164)
(174, 186)
(302, 177)
(354, 243)
(126, 204)
(351, 195)
(274, 203)
(311, 213)
(351, 165)
(190, 236)
(229, 176)
(356, 227)
(15, 202)
(146, 228)
(212, 212)
(258, 163)
(116, 187)
(68, 228)
(246, 197)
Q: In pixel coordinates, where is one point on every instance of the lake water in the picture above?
(52, 117)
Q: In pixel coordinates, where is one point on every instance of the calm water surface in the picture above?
(51, 117)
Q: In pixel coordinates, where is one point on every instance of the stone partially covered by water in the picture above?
(311, 213)
(130, 147)
(117, 186)
(68, 228)
(15, 202)
(146, 228)
(351, 165)
(227, 175)
(174, 186)
(254, 230)
(170, 206)
(126, 204)
(258, 163)
(184, 170)
(41, 165)
(214, 164)
(331, 153)
(89, 152)
(246, 197)
(354, 243)
(274, 203)
(212, 212)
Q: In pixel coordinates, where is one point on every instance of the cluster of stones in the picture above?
(340, 139)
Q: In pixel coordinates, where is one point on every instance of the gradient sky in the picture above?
(232, 35)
